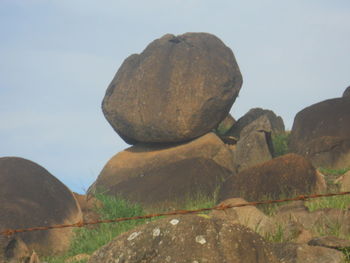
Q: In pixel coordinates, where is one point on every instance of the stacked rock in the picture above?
(177, 90)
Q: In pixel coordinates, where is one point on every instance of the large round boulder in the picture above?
(177, 89)
(167, 176)
(321, 133)
(31, 197)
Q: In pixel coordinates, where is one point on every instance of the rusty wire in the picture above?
(9, 232)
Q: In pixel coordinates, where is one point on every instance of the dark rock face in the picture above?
(155, 176)
(177, 89)
(289, 174)
(190, 238)
(30, 196)
(277, 124)
(346, 93)
(321, 133)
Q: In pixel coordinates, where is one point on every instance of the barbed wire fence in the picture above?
(9, 232)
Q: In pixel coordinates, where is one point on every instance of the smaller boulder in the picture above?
(276, 122)
(255, 144)
(286, 176)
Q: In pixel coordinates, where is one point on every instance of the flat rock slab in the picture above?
(167, 176)
(177, 89)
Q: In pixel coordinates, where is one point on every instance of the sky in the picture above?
(57, 58)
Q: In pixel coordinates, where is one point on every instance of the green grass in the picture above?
(86, 241)
(280, 143)
(341, 202)
(333, 172)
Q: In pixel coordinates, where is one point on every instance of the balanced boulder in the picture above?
(31, 197)
(167, 175)
(178, 88)
(321, 133)
(287, 175)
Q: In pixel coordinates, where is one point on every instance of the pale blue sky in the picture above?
(57, 58)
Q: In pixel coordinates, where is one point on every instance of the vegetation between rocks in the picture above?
(280, 143)
(87, 241)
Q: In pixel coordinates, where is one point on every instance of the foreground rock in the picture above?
(287, 175)
(178, 88)
(321, 133)
(30, 197)
(166, 176)
(276, 122)
(190, 238)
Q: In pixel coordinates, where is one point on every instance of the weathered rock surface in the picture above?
(30, 197)
(191, 238)
(287, 175)
(321, 133)
(255, 144)
(276, 122)
(178, 88)
(156, 176)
